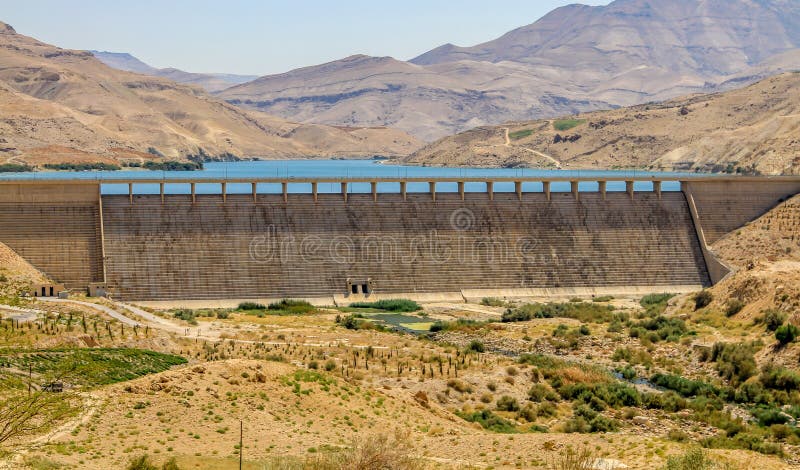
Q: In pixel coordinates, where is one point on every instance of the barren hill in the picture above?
(63, 105)
(576, 59)
(754, 128)
(208, 81)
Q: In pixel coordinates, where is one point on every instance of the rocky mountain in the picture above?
(577, 58)
(208, 81)
(64, 105)
(752, 129)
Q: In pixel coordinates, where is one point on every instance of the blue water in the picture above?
(288, 169)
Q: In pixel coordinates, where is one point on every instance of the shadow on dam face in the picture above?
(241, 246)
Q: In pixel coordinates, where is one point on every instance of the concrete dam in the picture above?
(156, 247)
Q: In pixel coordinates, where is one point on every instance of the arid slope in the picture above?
(63, 99)
(576, 59)
(756, 127)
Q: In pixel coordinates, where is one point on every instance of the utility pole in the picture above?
(241, 447)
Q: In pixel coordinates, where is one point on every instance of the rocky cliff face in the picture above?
(577, 58)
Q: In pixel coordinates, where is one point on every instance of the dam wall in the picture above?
(56, 228)
(724, 206)
(269, 248)
(255, 246)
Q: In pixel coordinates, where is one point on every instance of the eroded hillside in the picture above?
(61, 105)
(751, 129)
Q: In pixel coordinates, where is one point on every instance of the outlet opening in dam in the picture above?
(423, 237)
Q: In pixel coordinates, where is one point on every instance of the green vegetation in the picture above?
(733, 306)
(244, 306)
(694, 459)
(290, 307)
(14, 168)
(91, 367)
(461, 324)
(168, 166)
(582, 311)
(772, 319)
(655, 304)
(489, 421)
(735, 362)
(521, 134)
(186, 315)
(786, 334)
(96, 166)
(493, 302)
(356, 321)
(660, 328)
(390, 305)
(703, 299)
(567, 124)
(283, 307)
(685, 387)
(143, 462)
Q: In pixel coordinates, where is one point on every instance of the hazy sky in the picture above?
(268, 36)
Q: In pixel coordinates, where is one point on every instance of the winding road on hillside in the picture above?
(535, 152)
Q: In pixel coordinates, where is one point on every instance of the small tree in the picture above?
(787, 333)
(703, 299)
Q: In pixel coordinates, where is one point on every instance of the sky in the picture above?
(267, 36)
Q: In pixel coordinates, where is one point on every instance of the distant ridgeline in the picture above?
(314, 245)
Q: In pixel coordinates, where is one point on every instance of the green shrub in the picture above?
(546, 410)
(251, 306)
(82, 166)
(779, 378)
(390, 305)
(489, 421)
(172, 166)
(601, 395)
(734, 361)
(703, 299)
(459, 386)
(694, 459)
(582, 311)
(587, 420)
(786, 334)
(541, 392)
(773, 319)
(603, 298)
(171, 464)
(186, 315)
(476, 346)
(733, 306)
(15, 168)
(628, 372)
(493, 302)
(664, 328)
(351, 322)
(767, 416)
(330, 365)
(507, 403)
(294, 307)
(462, 324)
(141, 462)
(655, 299)
(685, 387)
